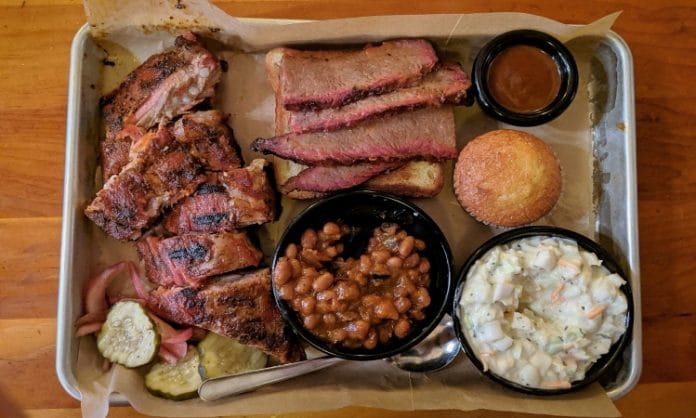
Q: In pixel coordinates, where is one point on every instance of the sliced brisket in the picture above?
(236, 306)
(189, 259)
(333, 178)
(448, 84)
(321, 79)
(427, 133)
(230, 200)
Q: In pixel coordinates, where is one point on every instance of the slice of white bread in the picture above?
(414, 179)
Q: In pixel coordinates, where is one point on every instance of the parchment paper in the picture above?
(131, 30)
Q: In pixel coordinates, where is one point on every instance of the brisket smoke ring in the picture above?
(448, 84)
(333, 108)
(332, 178)
(324, 79)
(427, 133)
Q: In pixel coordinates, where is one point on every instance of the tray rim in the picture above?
(65, 340)
(632, 253)
(63, 370)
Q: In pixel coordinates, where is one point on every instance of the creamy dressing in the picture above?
(540, 311)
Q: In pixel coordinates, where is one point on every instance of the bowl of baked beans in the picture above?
(362, 275)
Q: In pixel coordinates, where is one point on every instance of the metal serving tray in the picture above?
(610, 89)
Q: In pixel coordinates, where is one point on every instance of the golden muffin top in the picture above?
(507, 178)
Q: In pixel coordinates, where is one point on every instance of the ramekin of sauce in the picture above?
(525, 78)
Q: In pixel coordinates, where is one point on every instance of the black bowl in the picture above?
(604, 363)
(368, 210)
(559, 53)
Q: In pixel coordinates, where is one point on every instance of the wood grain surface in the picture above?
(35, 38)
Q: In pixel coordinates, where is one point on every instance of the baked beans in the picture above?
(355, 302)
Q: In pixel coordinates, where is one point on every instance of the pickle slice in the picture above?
(128, 336)
(178, 381)
(221, 356)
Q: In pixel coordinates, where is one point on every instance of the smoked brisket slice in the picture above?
(333, 178)
(425, 134)
(229, 200)
(448, 84)
(161, 172)
(322, 79)
(236, 306)
(189, 259)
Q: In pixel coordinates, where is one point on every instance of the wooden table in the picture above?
(35, 40)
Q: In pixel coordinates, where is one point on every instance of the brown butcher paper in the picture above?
(131, 30)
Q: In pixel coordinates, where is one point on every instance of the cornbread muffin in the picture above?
(507, 178)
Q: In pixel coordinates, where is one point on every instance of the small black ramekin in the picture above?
(562, 57)
(366, 209)
(604, 363)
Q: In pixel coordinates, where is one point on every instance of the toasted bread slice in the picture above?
(415, 179)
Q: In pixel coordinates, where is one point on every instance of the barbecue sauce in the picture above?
(523, 79)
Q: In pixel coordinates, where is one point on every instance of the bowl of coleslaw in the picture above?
(543, 310)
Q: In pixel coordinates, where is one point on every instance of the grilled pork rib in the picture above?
(210, 139)
(164, 167)
(427, 133)
(165, 85)
(236, 306)
(161, 172)
(323, 79)
(207, 210)
(227, 201)
(189, 259)
(448, 84)
(115, 151)
(333, 178)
